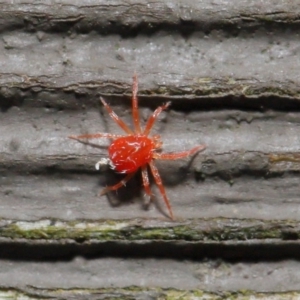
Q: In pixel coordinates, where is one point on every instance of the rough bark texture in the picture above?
(231, 70)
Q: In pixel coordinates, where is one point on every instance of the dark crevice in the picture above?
(170, 175)
(252, 252)
(184, 103)
(83, 25)
(261, 104)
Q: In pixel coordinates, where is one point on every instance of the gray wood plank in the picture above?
(231, 72)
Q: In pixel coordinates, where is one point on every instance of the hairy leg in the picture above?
(118, 185)
(178, 155)
(114, 116)
(154, 116)
(162, 190)
(146, 183)
(135, 111)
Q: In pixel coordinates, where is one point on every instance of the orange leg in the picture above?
(162, 190)
(154, 116)
(146, 183)
(114, 116)
(178, 155)
(95, 136)
(118, 185)
(135, 111)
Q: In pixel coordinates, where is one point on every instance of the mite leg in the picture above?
(135, 111)
(178, 155)
(118, 185)
(114, 116)
(154, 116)
(162, 190)
(146, 183)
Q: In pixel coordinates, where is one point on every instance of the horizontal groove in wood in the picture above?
(132, 17)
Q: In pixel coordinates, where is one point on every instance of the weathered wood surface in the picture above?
(231, 71)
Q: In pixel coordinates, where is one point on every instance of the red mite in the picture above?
(137, 149)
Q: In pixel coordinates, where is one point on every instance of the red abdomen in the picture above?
(129, 153)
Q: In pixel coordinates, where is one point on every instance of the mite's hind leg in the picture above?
(161, 188)
(118, 185)
(146, 184)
